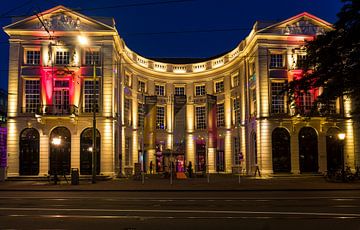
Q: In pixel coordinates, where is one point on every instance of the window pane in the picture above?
(32, 95)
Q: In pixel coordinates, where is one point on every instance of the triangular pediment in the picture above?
(63, 19)
(301, 24)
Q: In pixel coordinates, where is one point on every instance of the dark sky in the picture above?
(174, 28)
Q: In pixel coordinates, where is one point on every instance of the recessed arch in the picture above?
(86, 151)
(29, 147)
(281, 156)
(60, 151)
(308, 150)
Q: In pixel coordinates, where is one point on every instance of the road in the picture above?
(180, 210)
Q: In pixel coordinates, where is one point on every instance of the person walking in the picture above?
(190, 169)
(257, 169)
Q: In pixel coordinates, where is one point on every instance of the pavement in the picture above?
(216, 182)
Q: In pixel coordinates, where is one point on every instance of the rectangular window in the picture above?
(200, 90)
(127, 111)
(140, 116)
(220, 117)
(277, 97)
(160, 90)
(62, 83)
(141, 86)
(33, 57)
(236, 109)
(89, 95)
(306, 102)
(237, 151)
(179, 90)
(235, 80)
(92, 57)
(62, 58)
(160, 117)
(253, 102)
(219, 86)
(32, 95)
(300, 60)
(127, 151)
(276, 61)
(200, 117)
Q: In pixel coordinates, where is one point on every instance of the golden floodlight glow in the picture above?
(83, 40)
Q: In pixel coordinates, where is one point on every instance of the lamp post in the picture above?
(84, 41)
(341, 137)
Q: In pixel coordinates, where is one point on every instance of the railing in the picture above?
(59, 110)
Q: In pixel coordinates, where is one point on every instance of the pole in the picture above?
(173, 144)
(343, 160)
(94, 125)
(143, 140)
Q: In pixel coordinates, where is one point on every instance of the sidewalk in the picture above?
(216, 183)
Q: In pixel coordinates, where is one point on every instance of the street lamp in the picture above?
(341, 137)
(84, 41)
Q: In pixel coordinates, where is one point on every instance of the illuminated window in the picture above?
(276, 61)
(236, 110)
(200, 90)
(219, 86)
(62, 57)
(141, 115)
(89, 94)
(253, 102)
(235, 80)
(179, 90)
(127, 111)
(200, 117)
(160, 117)
(277, 97)
(306, 102)
(92, 57)
(32, 95)
(220, 117)
(141, 86)
(160, 90)
(33, 57)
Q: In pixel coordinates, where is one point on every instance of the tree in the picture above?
(333, 62)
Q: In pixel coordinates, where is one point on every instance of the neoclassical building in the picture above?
(219, 113)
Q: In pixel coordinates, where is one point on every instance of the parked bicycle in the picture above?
(340, 175)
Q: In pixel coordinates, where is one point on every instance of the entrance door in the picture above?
(61, 101)
(308, 150)
(60, 150)
(220, 161)
(86, 144)
(333, 150)
(29, 152)
(281, 156)
(200, 157)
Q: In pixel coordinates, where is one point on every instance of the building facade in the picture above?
(218, 113)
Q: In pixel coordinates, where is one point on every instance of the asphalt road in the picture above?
(180, 210)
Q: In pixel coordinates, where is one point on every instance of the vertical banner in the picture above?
(179, 123)
(211, 119)
(149, 122)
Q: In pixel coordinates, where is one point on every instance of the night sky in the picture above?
(174, 28)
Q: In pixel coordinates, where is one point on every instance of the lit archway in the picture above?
(60, 151)
(86, 152)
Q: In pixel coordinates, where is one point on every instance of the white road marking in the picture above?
(329, 214)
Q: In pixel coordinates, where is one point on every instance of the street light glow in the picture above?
(341, 136)
(56, 141)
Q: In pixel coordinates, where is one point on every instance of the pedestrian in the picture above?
(190, 169)
(257, 169)
(151, 167)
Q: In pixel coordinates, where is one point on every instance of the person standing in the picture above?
(190, 169)
(257, 169)
(151, 167)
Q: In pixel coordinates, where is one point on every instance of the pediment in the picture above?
(63, 19)
(302, 24)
